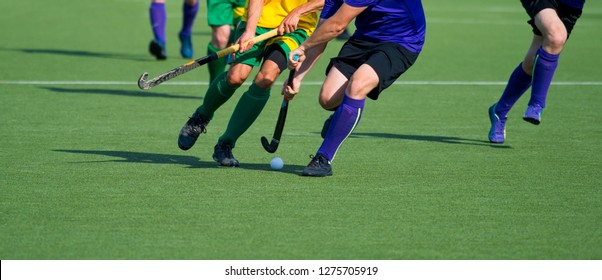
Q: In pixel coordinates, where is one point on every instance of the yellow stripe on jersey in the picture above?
(274, 11)
(238, 12)
(290, 42)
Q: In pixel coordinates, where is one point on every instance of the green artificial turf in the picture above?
(90, 168)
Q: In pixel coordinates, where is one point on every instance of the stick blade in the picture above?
(142, 84)
(269, 147)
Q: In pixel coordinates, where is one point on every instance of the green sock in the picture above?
(217, 94)
(246, 112)
(216, 67)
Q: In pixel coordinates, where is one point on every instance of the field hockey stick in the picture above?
(144, 84)
(272, 146)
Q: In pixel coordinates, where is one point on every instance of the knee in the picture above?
(360, 87)
(324, 102)
(329, 102)
(555, 39)
(234, 79)
(265, 79)
(220, 36)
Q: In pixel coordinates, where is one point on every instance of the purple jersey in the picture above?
(578, 4)
(397, 21)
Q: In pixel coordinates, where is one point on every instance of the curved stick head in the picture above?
(142, 84)
(269, 147)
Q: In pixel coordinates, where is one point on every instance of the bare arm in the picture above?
(253, 15)
(289, 23)
(311, 57)
(310, 51)
(332, 27)
(325, 32)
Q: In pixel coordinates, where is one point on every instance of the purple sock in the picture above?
(518, 83)
(543, 72)
(189, 15)
(345, 119)
(158, 19)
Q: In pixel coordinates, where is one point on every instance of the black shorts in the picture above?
(389, 61)
(566, 13)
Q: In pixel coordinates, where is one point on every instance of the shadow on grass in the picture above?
(83, 53)
(431, 138)
(133, 93)
(188, 161)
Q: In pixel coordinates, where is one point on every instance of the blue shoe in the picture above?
(157, 49)
(186, 49)
(533, 114)
(497, 132)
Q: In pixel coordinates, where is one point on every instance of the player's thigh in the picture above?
(238, 73)
(287, 42)
(254, 56)
(551, 26)
(363, 81)
(220, 36)
(276, 51)
(333, 89)
(267, 75)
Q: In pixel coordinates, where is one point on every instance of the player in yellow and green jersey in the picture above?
(296, 20)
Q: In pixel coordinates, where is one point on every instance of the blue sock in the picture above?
(158, 18)
(543, 72)
(518, 83)
(189, 13)
(345, 119)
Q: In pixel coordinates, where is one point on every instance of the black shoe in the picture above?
(222, 153)
(191, 131)
(326, 126)
(157, 49)
(319, 166)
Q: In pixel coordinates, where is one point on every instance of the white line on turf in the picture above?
(314, 83)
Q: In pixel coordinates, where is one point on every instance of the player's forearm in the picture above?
(309, 7)
(311, 57)
(253, 14)
(333, 26)
(325, 32)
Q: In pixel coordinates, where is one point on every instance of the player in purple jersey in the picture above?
(388, 39)
(158, 18)
(552, 22)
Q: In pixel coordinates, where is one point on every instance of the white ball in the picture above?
(276, 163)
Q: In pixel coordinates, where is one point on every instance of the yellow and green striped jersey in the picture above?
(274, 11)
